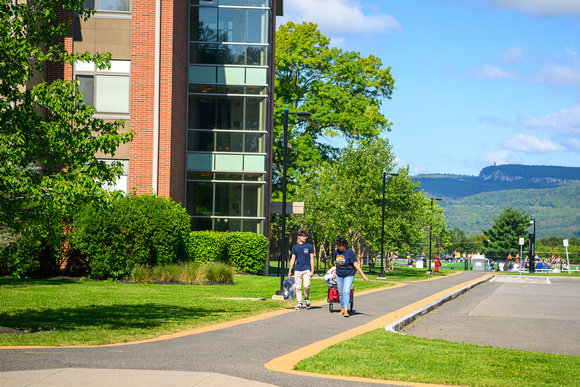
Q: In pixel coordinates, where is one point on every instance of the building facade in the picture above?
(194, 81)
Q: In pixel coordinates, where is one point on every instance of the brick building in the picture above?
(194, 81)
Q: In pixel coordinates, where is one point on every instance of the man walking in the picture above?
(303, 256)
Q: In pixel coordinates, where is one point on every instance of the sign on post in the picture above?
(291, 207)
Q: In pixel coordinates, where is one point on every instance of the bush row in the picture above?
(135, 230)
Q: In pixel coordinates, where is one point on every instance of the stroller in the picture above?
(333, 294)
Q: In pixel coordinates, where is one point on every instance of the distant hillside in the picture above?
(498, 178)
(549, 193)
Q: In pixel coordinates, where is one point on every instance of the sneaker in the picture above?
(299, 306)
(307, 304)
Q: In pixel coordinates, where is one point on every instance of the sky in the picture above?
(477, 82)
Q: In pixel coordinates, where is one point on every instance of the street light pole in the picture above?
(430, 235)
(382, 275)
(532, 251)
(284, 169)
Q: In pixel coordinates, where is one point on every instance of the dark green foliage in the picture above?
(247, 252)
(208, 246)
(503, 236)
(134, 230)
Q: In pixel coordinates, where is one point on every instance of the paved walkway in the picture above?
(251, 352)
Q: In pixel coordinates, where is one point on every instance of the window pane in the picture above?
(232, 2)
(258, 3)
(255, 114)
(200, 141)
(201, 224)
(228, 176)
(203, 53)
(86, 87)
(232, 54)
(257, 26)
(203, 24)
(250, 225)
(253, 200)
(201, 112)
(254, 143)
(232, 25)
(230, 113)
(199, 175)
(235, 75)
(202, 74)
(229, 142)
(199, 198)
(114, 5)
(256, 76)
(257, 55)
(112, 94)
(228, 199)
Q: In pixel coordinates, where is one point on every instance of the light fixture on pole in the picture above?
(532, 247)
(382, 275)
(284, 169)
(430, 235)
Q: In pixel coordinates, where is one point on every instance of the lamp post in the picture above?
(532, 250)
(284, 169)
(430, 235)
(382, 275)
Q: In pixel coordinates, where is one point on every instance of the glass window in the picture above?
(256, 76)
(232, 2)
(86, 87)
(230, 113)
(232, 25)
(200, 141)
(108, 5)
(201, 224)
(192, 175)
(228, 199)
(257, 26)
(258, 3)
(199, 198)
(202, 74)
(252, 199)
(232, 54)
(251, 225)
(229, 176)
(229, 162)
(201, 113)
(229, 142)
(257, 55)
(235, 75)
(254, 143)
(256, 114)
(203, 24)
(112, 94)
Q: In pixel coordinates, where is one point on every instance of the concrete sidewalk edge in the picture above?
(398, 325)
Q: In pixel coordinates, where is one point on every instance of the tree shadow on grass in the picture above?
(114, 317)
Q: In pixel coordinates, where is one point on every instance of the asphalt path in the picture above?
(240, 350)
(538, 314)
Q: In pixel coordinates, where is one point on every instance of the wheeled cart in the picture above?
(334, 297)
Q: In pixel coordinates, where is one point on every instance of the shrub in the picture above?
(247, 252)
(134, 230)
(142, 274)
(208, 246)
(168, 273)
(219, 273)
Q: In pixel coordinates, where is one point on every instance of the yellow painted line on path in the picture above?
(287, 362)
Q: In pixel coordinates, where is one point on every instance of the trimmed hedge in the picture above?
(245, 251)
(134, 230)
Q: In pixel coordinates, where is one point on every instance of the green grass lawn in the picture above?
(389, 356)
(92, 312)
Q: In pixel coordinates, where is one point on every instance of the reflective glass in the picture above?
(251, 225)
(230, 113)
(114, 5)
(254, 143)
(252, 197)
(203, 24)
(233, 2)
(232, 25)
(232, 54)
(199, 175)
(257, 55)
(255, 114)
(229, 142)
(228, 199)
(205, 53)
(86, 87)
(201, 112)
(201, 224)
(199, 198)
(229, 176)
(257, 26)
(200, 141)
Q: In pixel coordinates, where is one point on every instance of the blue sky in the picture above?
(477, 82)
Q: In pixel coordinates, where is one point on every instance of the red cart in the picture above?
(334, 297)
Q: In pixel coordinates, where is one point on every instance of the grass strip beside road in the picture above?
(61, 313)
(383, 355)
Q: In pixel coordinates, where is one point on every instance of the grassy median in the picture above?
(58, 313)
(389, 356)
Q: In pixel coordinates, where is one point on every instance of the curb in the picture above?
(401, 323)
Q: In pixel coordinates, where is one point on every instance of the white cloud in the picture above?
(565, 121)
(540, 8)
(499, 157)
(529, 144)
(558, 75)
(339, 18)
(493, 72)
(512, 55)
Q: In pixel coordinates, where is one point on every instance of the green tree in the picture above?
(508, 227)
(342, 90)
(48, 136)
(345, 198)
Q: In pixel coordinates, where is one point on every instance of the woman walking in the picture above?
(346, 268)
